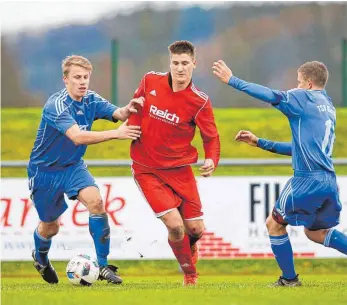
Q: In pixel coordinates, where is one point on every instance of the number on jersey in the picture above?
(329, 138)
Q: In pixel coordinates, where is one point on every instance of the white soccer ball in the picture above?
(82, 270)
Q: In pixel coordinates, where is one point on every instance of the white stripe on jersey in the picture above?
(43, 136)
(200, 110)
(61, 95)
(203, 95)
(157, 73)
(59, 101)
(63, 111)
(61, 104)
(302, 151)
(294, 89)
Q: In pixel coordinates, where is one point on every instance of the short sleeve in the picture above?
(104, 109)
(56, 114)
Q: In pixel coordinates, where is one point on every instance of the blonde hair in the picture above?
(316, 71)
(75, 60)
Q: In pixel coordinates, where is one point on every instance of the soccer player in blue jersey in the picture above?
(56, 166)
(310, 198)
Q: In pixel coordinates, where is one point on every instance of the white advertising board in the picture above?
(235, 209)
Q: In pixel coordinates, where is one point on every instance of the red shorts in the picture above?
(167, 189)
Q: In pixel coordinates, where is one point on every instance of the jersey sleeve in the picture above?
(204, 119)
(135, 118)
(281, 148)
(292, 104)
(56, 115)
(285, 101)
(104, 109)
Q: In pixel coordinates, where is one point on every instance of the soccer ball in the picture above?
(82, 270)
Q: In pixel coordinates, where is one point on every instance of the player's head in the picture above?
(312, 75)
(182, 61)
(76, 75)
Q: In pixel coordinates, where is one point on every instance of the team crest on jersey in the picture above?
(163, 115)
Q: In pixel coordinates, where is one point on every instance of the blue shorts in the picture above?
(48, 186)
(310, 199)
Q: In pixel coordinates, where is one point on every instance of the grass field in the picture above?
(18, 137)
(159, 282)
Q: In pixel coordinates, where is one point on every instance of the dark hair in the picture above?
(182, 47)
(316, 71)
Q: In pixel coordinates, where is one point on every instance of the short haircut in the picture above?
(315, 71)
(75, 60)
(182, 47)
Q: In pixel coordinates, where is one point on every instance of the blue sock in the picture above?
(42, 246)
(282, 249)
(336, 240)
(100, 231)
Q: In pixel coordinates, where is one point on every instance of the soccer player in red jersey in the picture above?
(162, 156)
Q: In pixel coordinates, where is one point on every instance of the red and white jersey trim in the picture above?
(203, 95)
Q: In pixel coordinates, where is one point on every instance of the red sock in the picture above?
(181, 249)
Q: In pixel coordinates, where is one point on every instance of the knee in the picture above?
(316, 236)
(269, 223)
(196, 230)
(176, 229)
(273, 227)
(48, 230)
(96, 206)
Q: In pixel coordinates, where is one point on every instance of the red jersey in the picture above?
(168, 120)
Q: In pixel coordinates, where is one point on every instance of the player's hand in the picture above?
(222, 71)
(125, 132)
(123, 113)
(134, 105)
(208, 168)
(247, 137)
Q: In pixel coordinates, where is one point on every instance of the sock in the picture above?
(100, 231)
(336, 240)
(193, 240)
(181, 249)
(282, 249)
(42, 246)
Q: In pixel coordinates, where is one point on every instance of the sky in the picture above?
(35, 15)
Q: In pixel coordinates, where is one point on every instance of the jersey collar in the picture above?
(170, 84)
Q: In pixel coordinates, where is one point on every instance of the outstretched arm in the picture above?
(281, 148)
(223, 72)
(124, 113)
(82, 137)
(105, 110)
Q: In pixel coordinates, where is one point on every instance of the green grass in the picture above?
(159, 282)
(168, 290)
(206, 267)
(18, 137)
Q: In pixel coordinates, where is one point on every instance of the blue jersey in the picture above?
(52, 148)
(312, 119)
